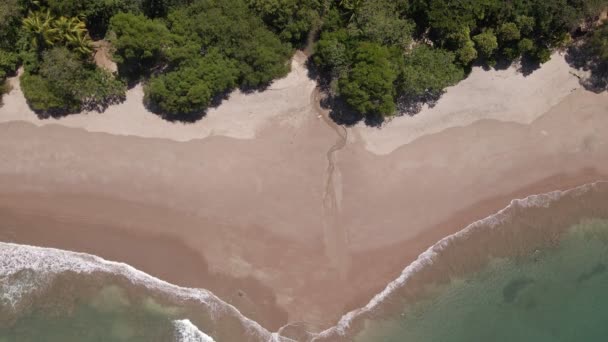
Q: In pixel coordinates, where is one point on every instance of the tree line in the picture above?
(387, 56)
(377, 57)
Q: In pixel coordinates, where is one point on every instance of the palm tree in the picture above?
(69, 27)
(73, 32)
(80, 42)
(40, 25)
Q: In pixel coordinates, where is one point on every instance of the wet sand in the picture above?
(261, 223)
(525, 231)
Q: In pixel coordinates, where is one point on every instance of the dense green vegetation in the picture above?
(10, 20)
(59, 75)
(200, 51)
(189, 53)
(63, 83)
(378, 57)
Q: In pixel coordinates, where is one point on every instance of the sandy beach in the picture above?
(277, 210)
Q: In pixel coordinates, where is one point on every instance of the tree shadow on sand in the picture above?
(525, 65)
(581, 57)
(407, 105)
(191, 117)
(216, 101)
(58, 113)
(343, 114)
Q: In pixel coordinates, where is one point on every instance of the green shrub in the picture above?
(43, 98)
(66, 84)
(428, 71)
(191, 88)
(369, 87)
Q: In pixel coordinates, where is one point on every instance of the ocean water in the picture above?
(557, 294)
(109, 315)
(50, 295)
(535, 271)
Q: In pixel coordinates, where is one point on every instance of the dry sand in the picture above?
(505, 95)
(264, 221)
(240, 117)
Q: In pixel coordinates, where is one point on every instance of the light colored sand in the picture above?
(103, 56)
(256, 209)
(240, 117)
(505, 95)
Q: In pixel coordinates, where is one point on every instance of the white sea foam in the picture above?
(185, 331)
(428, 256)
(24, 269)
(33, 267)
(13, 290)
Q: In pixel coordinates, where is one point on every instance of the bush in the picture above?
(486, 43)
(427, 71)
(525, 45)
(332, 53)
(66, 84)
(233, 29)
(99, 89)
(379, 21)
(8, 64)
(191, 88)
(542, 54)
(140, 43)
(369, 87)
(42, 98)
(467, 53)
(290, 19)
(509, 32)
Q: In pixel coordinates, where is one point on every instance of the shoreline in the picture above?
(77, 276)
(505, 95)
(241, 116)
(525, 227)
(248, 218)
(158, 255)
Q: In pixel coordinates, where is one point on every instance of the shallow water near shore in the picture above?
(53, 295)
(107, 316)
(71, 308)
(535, 271)
(557, 294)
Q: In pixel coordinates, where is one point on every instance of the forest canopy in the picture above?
(378, 57)
(423, 46)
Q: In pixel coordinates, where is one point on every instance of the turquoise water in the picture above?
(537, 271)
(556, 294)
(109, 315)
(49, 295)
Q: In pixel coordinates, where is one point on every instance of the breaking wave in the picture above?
(433, 253)
(25, 269)
(185, 331)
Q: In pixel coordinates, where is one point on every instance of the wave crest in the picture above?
(24, 269)
(429, 256)
(185, 331)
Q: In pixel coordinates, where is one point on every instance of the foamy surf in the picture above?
(36, 267)
(185, 331)
(429, 256)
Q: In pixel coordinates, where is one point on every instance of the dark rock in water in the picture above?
(598, 269)
(510, 291)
